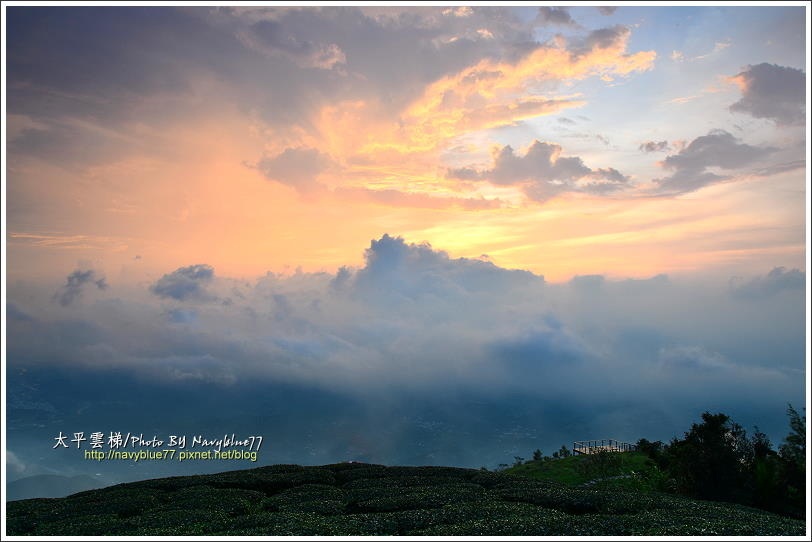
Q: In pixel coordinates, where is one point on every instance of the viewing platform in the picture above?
(586, 447)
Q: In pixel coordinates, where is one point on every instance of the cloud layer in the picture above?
(416, 357)
(413, 316)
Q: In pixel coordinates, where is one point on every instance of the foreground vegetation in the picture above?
(628, 470)
(361, 499)
(715, 460)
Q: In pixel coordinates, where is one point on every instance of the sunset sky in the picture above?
(627, 142)
(414, 235)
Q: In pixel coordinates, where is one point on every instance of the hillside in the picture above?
(631, 470)
(362, 499)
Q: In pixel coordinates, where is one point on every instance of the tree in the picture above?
(766, 492)
(794, 446)
(792, 465)
(717, 461)
(654, 451)
(711, 461)
(537, 455)
(564, 452)
(651, 449)
(517, 460)
(762, 447)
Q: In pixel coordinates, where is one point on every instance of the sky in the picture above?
(472, 230)
(142, 139)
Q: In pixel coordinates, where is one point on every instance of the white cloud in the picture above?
(411, 314)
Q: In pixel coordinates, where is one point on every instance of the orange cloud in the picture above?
(404, 154)
(479, 97)
(492, 93)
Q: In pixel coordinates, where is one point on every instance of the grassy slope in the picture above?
(570, 471)
(357, 499)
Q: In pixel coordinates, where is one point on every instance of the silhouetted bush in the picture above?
(717, 461)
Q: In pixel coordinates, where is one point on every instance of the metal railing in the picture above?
(604, 445)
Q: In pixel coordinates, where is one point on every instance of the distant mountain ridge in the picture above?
(50, 486)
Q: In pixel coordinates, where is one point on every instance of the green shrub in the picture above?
(600, 465)
(375, 500)
(230, 501)
(394, 499)
(86, 525)
(321, 499)
(404, 481)
(177, 522)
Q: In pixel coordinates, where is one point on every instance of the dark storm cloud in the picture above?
(185, 283)
(719, 149)
(75, 283)
(772, 92)
(555, 16)
(655, 146)
(544, 173)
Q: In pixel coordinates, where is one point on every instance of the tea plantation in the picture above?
(362, 499)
